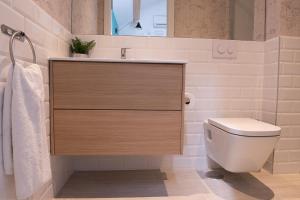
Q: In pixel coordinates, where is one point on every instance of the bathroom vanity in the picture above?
(116, 107)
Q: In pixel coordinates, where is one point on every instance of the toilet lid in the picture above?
(245, 127)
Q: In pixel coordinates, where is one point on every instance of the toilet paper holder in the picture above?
(187, 100)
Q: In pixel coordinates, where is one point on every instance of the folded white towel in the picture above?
(25, 146)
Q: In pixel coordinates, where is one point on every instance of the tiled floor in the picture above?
(179, 185)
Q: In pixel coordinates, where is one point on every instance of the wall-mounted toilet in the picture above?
(240, 144)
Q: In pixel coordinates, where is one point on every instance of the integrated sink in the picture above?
(113, 60)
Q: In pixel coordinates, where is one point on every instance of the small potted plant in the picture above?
(81, 48)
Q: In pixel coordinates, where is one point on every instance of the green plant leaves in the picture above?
(79, 46)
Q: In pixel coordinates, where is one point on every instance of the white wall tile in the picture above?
(292, 43)
(42, 55)
(290, 131)
(288, 144)
(288, 116)
(252, 46)
(285, 81)
(194, 150)
(290, 68)
(194, 139)
(272, 44)
(193, 127)
(35, 32)
(7, 1)
(27, 8)
(294, 156)
(297, 57)
(191, 44)
(286, 56)
(44, 20)
(281, 156)
(285, 119)
(15, 21)
(286, 168)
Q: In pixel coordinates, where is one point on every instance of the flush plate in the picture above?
(225, 49)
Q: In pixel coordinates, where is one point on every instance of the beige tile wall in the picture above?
(283, 18)
(259, 22)
(287, 152)
(88, 17)
(242, 19)
(58, 9)
(202, 19)
(272, 18)
(49, 39)
(290, 18)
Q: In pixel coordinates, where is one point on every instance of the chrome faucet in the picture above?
(123, 53)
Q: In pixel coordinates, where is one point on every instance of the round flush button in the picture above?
(221, 49)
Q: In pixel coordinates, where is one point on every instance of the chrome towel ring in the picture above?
(11, 44)
(20, 35)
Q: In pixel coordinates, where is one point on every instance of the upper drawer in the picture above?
(94, 85)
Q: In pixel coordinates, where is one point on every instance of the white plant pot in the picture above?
(80, 55)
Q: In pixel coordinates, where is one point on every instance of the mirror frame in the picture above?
(170, 18)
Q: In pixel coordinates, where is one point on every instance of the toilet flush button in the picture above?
(224, 49)
(221, 49)
(230, 51)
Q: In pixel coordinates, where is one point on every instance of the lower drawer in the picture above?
(116, 132)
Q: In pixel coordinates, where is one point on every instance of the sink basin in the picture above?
(116, 60)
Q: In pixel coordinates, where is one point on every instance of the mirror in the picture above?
(139, 17)
(217, 19)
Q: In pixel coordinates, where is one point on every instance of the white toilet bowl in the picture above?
(240, 144)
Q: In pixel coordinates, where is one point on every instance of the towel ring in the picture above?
(11, 43)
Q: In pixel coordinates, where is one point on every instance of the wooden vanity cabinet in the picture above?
(113, 108)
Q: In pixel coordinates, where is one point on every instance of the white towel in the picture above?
(29, 161)
(7, 126)
(2, 88)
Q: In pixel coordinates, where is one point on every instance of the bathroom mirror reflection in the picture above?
(218, 19)
(139, 17)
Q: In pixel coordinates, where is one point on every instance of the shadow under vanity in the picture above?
(116, 107)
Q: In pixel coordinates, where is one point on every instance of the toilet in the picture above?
(239, 144)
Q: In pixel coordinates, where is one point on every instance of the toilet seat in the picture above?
(245, 127)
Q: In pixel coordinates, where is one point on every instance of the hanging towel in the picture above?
(2, 88)
(27, 134)
(5, 66)
(5, 76)
(6, 125)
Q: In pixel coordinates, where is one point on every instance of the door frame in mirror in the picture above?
(170, 13)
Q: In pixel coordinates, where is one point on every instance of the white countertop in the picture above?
(117, 60)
